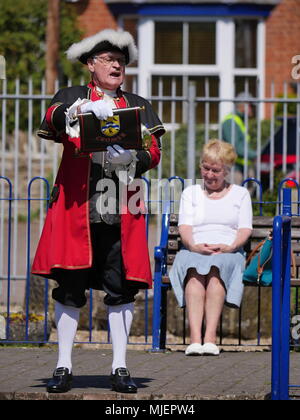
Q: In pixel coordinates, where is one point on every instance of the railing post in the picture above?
(157, 300)
(191, 131)
(9, 199)
(281, 268)
(286, 311)
(286, 293)
(287, 202)
(276, 308)
(157, 295)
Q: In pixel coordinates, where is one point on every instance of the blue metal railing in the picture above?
(280, 309)
(167, 204)
(28, 270)
(10, 199)
(281, 301)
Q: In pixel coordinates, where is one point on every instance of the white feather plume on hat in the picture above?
(101, 41)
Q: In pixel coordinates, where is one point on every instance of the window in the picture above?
(228, 52)
(168, 43)
(202, 43)
(185, 43)
(246, 44)
(244, 83)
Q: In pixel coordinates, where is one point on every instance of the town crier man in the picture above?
(81, 245)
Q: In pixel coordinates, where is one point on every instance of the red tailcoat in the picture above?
(66, 240)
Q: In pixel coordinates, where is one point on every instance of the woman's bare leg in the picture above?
(195, 302)
(214, 302)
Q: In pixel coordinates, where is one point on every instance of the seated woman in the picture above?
(215, 221)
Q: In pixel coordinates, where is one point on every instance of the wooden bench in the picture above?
(166, 252)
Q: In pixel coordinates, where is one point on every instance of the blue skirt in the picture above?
(231, 267)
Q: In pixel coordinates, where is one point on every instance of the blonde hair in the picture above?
(219, 151)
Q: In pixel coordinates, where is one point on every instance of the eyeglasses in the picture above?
(109, 60)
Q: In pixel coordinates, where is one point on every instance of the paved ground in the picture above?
(159, 376)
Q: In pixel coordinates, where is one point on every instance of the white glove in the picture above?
(72, 123)
(146, 137)
(118, 156)
(100, 108)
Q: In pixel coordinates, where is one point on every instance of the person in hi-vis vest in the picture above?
(234, 131)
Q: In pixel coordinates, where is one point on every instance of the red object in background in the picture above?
(291, 183)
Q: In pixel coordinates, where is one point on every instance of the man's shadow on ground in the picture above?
(93, 381)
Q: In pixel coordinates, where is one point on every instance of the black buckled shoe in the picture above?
(61, 381)
(122, 382)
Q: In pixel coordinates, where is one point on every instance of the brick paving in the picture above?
(159, 376)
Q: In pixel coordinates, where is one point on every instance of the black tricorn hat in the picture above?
(106, 40)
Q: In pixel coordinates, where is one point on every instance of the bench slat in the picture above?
(262, 221)
(268, 221)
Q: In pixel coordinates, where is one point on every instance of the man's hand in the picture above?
(100, 108)
(118, 156)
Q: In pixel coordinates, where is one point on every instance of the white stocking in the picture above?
(120, 319)
(66, 318)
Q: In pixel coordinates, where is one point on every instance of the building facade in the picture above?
(225, 47)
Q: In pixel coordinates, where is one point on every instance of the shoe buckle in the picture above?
(60, 372)
(123, 372)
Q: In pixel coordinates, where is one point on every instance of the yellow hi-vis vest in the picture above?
(240, 123)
